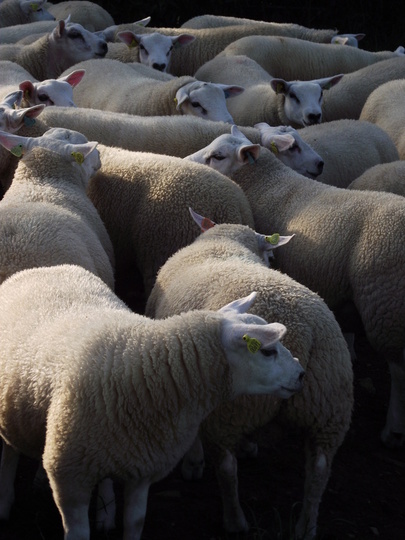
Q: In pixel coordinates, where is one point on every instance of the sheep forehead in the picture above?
(305, 90)
(156, 42)
(90, 39)
(60, 92)
(63, 134)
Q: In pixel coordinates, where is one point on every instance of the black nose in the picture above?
(320, 166)
(314, 118)
(301, 376)
(104, 47)
(159, 67)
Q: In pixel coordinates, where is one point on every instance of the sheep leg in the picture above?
(105, 507)
(317, 471)
(192, 466)
(8, 469)
(393, 434)
(227, 474)
(72, 501)
(135, 502)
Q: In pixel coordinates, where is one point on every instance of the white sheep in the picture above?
(227, 260)
(385, 108)
(300, 156)
(228, 152)
(48, 92)
(15, 33)
(348, 148)
(290, 58)
(54, 53)
(12, 117)
(126, 90)
(215, 21)
(14, 12)
(349, 245)
(384, 177)
(93, 353)
(352, 40)
(90, 15)
(143, 200)
(155, 50)
(46, 217)
(348, 98)
(266, 98)
(211, 41)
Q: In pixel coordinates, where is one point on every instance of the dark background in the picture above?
(381, 20)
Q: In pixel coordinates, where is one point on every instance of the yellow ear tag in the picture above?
(132, 44)
(273, 239)
(253, 344)
(78, 157)
(273, 147)
(175, 100)
(279, 88)
(34, 7)
(17, 150)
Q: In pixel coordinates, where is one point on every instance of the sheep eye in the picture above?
(73, 34)
(295, 148)
(195, 104)
(142, 47)
(42, 97)
(269, 352)
(169, 51)
(294, 97)
(218, 157)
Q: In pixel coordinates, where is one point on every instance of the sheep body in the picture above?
(143, 201)
(341, 142)
(225, 260)
(209, 42)
(384, 177)
(384, 107)
(90, 15)
(337, 229)
(14, 12)
(126, 90)
(15, 33)
(91, 350)
(291, 59)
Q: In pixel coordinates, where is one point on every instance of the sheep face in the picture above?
(259, 363)
(52, 91)
(34, 11)
(11, 119)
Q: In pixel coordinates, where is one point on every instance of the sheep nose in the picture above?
(320, 167)
(159, 67)
(301, 376)
(315, 118)
(104, 47)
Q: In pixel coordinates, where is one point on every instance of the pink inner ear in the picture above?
(206, 224)
(27, 86)
(74, 78)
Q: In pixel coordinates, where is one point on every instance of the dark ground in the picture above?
(364, 500)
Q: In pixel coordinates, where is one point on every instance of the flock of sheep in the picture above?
(146, 177)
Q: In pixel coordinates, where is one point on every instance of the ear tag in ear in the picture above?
(78, 157)
(26, 94)
(34, 7)
(273, 239)
(17, 150)
(253, 344)
(132, 44)
(279, 88)
(175, 100)
(273, 147)
(206, 224)
(251, 159)
(29, 122)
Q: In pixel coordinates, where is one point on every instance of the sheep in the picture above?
(209, 42)
(215, 21)
(155, 49)
(11, 117)
(338, 229)
(348, 98)
(125, 90)
(300, 156)
(54, 53)
(227, 259)
(384, 107)
(291, 58)
(266, 98)
(348, 148)
(15, 33)
(23, 11)
(49, 92)
(142, 199)
(46, 217)
(384, 177)
(228, 152)
(90, 15)
(352, 40)
(91, 349)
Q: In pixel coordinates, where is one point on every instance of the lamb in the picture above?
(54, 53)
(215, 21)
(76, 427)
(46, 217)
(384, 107)
(142, 199)
(211, 41)
(384, 177)
(90, 15)
(149, 96)
(226, 260)
(23, 11)
(300, 156)
(291, 58)
(18, 32)
(341, 142)
(352, 40)
(48, 92)
(155, 50)
(266, 98)
(228, 153)
(335, 230)
(348, 98)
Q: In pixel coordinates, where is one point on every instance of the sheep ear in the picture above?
(79, 152)
(13, 99)
(182, 95)
(277, 143)
(327, 82)
(267, 243)
(248, 153)
(280, 86)
(203, 222)
(259, 336)
(129, 38)
(16, 144)
(143, 22)
(230, 90)
(28, 89)
(182, 39)
(73, 78)
(242, 305)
